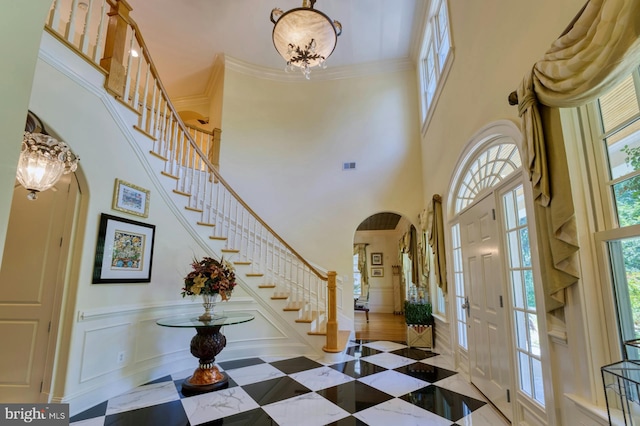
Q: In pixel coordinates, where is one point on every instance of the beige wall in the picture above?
(284, 144)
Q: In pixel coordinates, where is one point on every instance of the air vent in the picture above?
(348, 166)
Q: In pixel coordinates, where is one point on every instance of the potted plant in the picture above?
(419, 319)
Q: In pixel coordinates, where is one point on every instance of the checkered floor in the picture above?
(377, 383)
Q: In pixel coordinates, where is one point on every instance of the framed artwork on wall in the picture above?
(377, 272)
(376, 258)
(130, 198)
(124, 251)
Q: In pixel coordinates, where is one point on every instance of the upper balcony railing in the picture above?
(104, 33)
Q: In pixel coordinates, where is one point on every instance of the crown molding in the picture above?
(335, 73)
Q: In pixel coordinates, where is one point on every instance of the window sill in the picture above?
(440, 318)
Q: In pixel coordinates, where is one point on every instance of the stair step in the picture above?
(217, 238)
(309, 319)
(267, 286)
(206, 224)
(254, 274)
(343, 339)
(193, 209)
(186, 194)
(144, 132)
(158, 156)
(230, 251)
(169, 175)
(279, 297)
(241, 262)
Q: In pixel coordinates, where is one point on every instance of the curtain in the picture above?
(436, 241)
(425, 260)
(361, 251)
(600, 48)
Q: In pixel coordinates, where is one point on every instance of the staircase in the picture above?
(186, 159)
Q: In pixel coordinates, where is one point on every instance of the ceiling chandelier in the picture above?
(304, 37)
(43, 159)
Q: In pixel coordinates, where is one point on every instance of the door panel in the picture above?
(488, 332)
(28, 281)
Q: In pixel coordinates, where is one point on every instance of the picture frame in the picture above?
(130, 198)
(124, 251)
(377, 272)
(376, 258)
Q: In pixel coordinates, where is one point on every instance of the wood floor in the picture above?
(380, 327)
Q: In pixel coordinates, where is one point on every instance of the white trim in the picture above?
(331, 73)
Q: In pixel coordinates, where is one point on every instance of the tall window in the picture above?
(520, 277)
(357, 281)
(617, 134)
(458, 279)
(434, 56)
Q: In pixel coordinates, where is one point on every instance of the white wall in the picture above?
(284, 144)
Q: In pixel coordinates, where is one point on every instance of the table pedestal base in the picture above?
(204, 380)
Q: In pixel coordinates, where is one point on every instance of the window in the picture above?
(434, 56)
(520, 278)
(617, 137)
(458, 279)
(357, 283)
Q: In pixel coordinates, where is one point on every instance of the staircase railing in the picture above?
(103, 33)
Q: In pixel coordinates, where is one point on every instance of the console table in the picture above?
(205, 345)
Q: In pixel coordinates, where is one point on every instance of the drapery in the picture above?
(361, 251)
(425, 218)
(593, 55)
(436, 241)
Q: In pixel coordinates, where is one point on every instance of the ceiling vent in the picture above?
(349, 166)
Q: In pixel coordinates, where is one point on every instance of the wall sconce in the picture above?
(43, 159)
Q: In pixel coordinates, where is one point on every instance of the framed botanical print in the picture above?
(376, 258)
(124, 251)
(377, 272)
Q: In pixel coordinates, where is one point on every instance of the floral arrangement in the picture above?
(210, 277)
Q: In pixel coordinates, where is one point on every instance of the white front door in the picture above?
(488, 332)
(30, 275)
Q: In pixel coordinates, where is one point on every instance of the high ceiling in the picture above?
(184, 36)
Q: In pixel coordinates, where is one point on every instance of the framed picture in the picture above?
(376, 258)
(377, 272)
(124, 251)
(130, 198)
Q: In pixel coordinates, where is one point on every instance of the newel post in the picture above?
(332, 314)
(114, 49)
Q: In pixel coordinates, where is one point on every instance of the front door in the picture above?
(488, 332)
(31, 274)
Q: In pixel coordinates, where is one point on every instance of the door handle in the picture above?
(466, 306)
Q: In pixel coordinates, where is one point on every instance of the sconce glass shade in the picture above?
(43, 160)
(304, 37)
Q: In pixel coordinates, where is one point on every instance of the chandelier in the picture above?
(304, 37)
(43, 159)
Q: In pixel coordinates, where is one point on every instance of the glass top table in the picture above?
(219, 320)
(205, 345)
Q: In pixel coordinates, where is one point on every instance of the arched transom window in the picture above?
(487, 170)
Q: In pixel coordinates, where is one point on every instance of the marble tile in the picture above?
(95, 411)
(320, 378)
(358, 368)
(296, 365)
(254, 373)
(246, 362)
(393, 383)
(484, 416)
(215, 405)
(354, 396)
(160, 380)
(414, 353)
(440, 361)
(255, 417)
(143, 396)
(388, 360)
(183, 374)
(426, 372)
(458, 383)
(95, 421)
(361, 351)
(275, 390)
(443, 402)
(310, 410)
(399, 412)
(384, 345)
(171, 413)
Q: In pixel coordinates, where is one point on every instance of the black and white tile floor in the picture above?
(377, 383)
